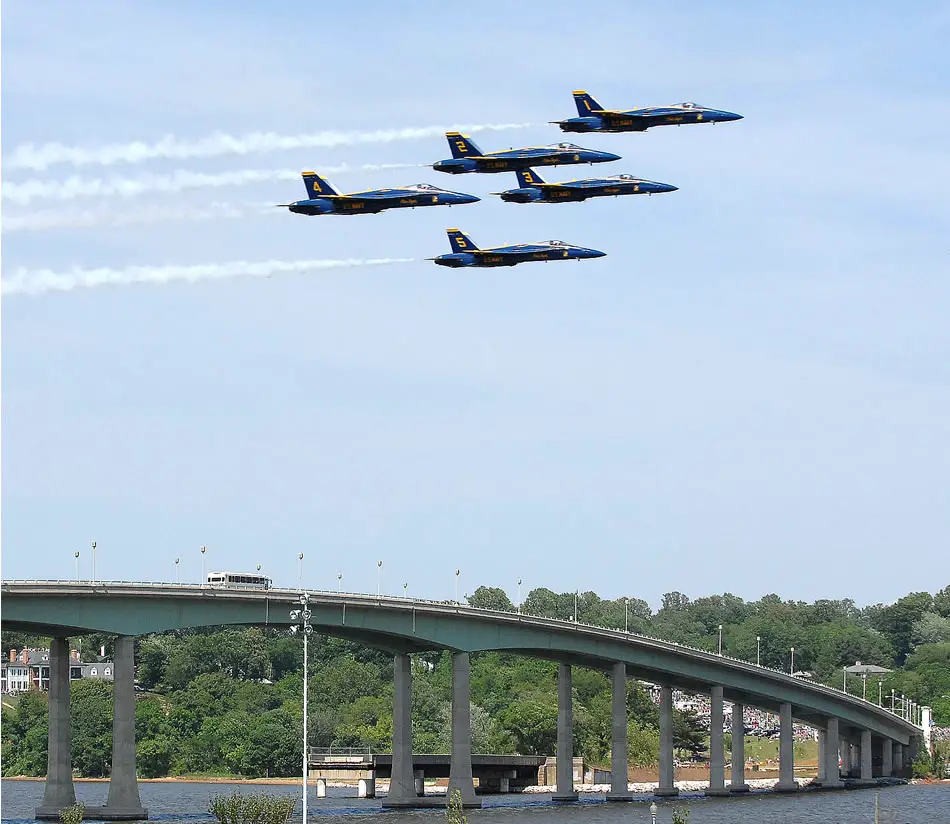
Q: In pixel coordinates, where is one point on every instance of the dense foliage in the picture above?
(228, 700)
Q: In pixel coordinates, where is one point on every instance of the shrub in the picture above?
(73, 814)
(454, 811)
(252, 809)
(680, 815)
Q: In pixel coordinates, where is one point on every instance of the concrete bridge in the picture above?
(855, 728)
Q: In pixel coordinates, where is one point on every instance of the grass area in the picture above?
(764, 749)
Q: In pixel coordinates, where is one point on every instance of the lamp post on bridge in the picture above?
(575, 606)
(864, 686)
(93, 561)
(791, 668)
(203, 550)
(76, 556)
(880, 692)
(519, 596)
(758, 650)
(303, 616)
(457, 571)
(720, 639)
(176, 569)
(300, 571)
(626, 622)
(339, 582)
(379, 577)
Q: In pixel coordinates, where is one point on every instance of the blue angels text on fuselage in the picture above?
(467, 157)
(592, 117)
(532, 189)
(323, 199)
(466, 253)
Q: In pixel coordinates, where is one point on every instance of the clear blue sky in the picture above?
(750, 393)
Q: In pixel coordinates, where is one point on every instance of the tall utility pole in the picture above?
(791, 669)
(176, 569)
(626, 621)
(300, 572)
(303, 616)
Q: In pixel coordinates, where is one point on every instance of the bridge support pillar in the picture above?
(887, 757)
(866, 756)
(59, 791)
(460, 772)
(666, 787)
(565, 737)
(822, 758)
(845, 750)
(717, 756)
(123, 801)
(786, 779)
(898, 759)
(737, 779)
(402, 789)
(619, 758)
(832, 770)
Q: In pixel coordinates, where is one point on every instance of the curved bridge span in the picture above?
(404, 625)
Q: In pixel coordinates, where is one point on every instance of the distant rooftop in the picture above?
(865, 669)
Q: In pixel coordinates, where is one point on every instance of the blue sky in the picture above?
(750, 393)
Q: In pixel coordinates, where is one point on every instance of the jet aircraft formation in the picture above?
(324, 199)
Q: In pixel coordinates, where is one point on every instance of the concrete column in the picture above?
(786, 749)
(865, 755)
(321, 788)
(822, 758)
(737, 781)
(366, 787)
(898, 758)
(419, 780)
(618, 735)
(565, 736)
(717, 756)
(832, 771)
(402, 790)
(844, 748)
(887, 757)
(59, 791)
(666, 787)
(460, 772)
(123, 799)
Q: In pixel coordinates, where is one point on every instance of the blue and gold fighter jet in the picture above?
(534, 190)
(467, 157)
(466, 253)
(323, 199)
(592, 117)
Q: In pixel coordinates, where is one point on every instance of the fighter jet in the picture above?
(535, 190)
(323, 199)
(467, 157)
(592, 117)
(466, 253)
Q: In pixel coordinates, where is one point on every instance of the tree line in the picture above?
(225, 700)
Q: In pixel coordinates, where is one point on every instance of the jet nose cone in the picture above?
(468, 199)
(668, 187)
(727, 116)
(595, 253)
(609, 156)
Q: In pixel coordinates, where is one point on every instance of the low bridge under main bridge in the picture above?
(851, 730)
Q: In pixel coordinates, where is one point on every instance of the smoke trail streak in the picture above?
(43, 221)
(40, 281)
(30, 156)
(176, 181)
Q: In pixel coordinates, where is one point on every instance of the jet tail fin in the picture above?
(462, 146)
(528, 178)
(460, 242)
(586, 104)
(317, 186)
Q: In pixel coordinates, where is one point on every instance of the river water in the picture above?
(188, 803)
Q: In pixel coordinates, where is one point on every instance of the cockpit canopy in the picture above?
(564, 146)
(627, 177)
(557, 243)
(424, 187)
(691, 106)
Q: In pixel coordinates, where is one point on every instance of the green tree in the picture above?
(91, 713)
(491, 598)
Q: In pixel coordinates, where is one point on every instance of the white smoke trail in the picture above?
(30, 156)
(40, 281)
(176, 181)
(88, 219)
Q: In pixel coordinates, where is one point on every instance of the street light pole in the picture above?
(300, 571)
(626, 621)
(864, 686)
(791, 669)
(519, 596)
(457, 571)
(203, 550)
(93, 561)
(176, 569)
(720, 639)
(303, 616)
(339, 582)
(379, 577)
(880, 693)
(76, 556)
(758, 650)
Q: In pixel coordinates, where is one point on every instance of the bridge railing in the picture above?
(459, 607)
(317, 753)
